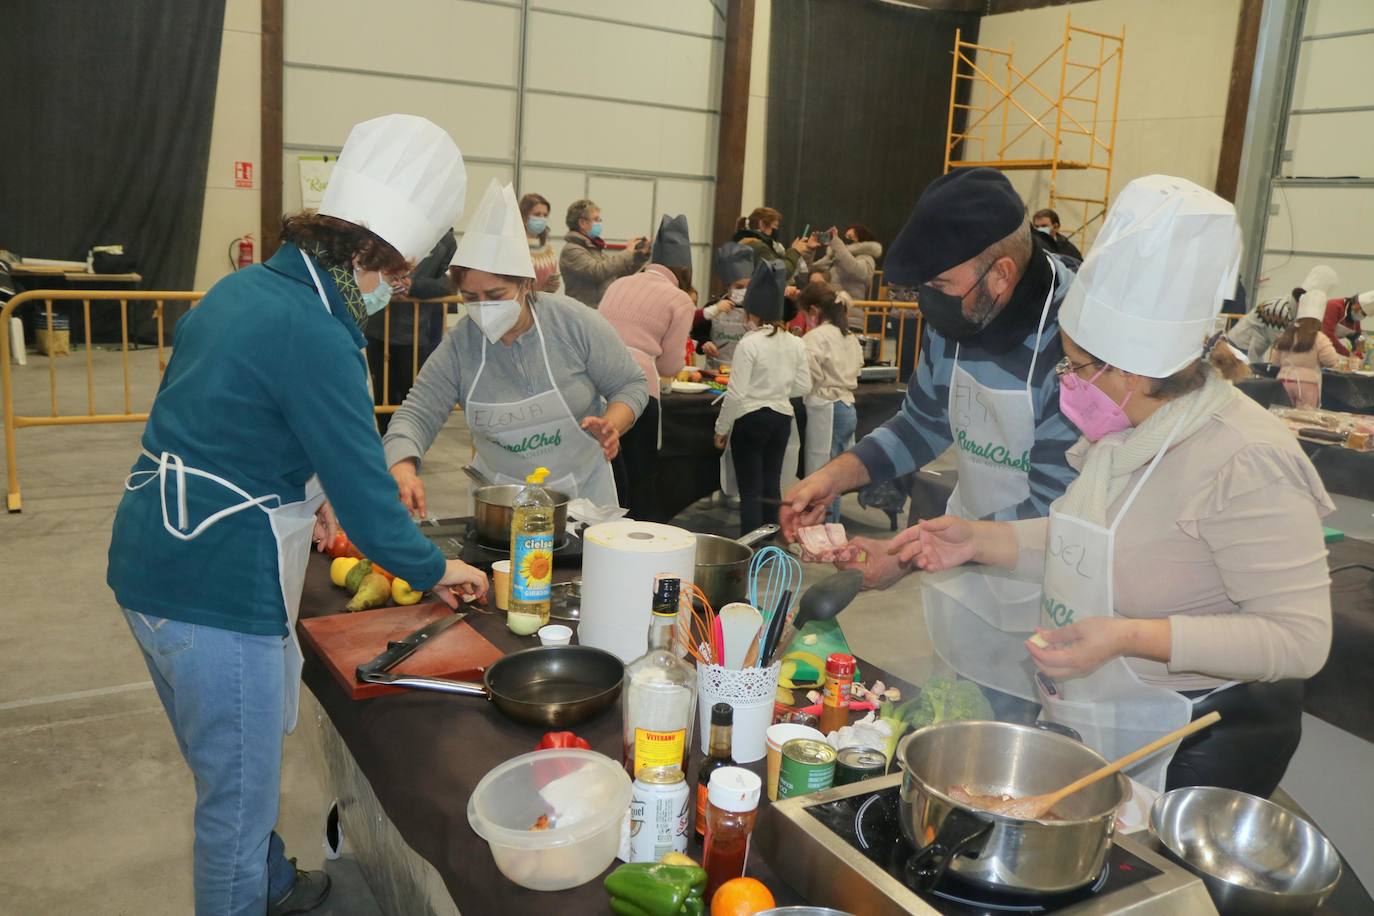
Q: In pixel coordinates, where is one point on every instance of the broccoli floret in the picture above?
(945, 700)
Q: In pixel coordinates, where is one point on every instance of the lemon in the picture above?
(338, 570)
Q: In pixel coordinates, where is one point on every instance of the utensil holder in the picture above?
(750, 693)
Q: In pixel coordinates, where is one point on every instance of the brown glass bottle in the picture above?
(722, 728)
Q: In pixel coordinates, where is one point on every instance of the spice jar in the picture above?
(733, 803)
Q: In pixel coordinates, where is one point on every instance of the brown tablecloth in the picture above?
(425, 752)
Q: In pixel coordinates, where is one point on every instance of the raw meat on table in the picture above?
(827, 543)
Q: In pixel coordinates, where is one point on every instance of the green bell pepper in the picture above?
(654, 889)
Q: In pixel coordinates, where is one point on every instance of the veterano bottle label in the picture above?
(659, 749)
(531, 571)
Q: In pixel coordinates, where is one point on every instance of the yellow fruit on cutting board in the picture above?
(338, 570)
(402, 593)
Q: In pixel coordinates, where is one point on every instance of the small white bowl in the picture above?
(555, 634)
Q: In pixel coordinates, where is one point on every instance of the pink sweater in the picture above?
(653, 317)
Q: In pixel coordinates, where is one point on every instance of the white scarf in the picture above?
(1111, 461)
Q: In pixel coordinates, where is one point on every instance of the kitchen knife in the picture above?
(398, 650)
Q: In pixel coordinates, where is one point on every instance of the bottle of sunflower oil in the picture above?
(531, 555)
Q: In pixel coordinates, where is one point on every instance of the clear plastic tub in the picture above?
(585, 796)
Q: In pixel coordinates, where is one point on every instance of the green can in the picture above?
(807, 766)
(855, 764)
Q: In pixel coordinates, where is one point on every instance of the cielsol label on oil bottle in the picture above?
(659, 749)
(532, 567)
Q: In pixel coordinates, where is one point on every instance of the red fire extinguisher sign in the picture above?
(243, 174)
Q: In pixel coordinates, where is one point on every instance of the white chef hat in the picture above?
(1155, 278)
(1366, 299)
(495, 238)
(401, 176)
(1317, 287)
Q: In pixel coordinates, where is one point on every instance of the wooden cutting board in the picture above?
(345, 641)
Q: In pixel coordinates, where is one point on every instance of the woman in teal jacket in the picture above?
(264, 407)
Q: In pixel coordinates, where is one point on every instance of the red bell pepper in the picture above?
(546, 771)
(561, 739)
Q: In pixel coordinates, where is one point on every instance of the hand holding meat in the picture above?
(936, 544)
(827, 543)
(805, 503)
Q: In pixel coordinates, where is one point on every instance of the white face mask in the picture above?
(1048, 230)
(737, 295)
(494, 317)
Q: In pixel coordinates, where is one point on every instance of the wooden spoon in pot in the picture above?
(1037, 806)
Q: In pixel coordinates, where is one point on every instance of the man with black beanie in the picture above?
(986, 383)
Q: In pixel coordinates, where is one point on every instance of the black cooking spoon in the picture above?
(822, 601)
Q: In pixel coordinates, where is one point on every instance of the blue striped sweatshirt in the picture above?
(999, 357)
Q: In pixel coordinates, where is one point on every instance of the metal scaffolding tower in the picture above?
(1077, 120)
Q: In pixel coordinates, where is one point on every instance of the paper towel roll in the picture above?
(619, 562)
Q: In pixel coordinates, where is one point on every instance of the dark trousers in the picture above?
(1250, 747)
(757, 443)
(634, 466)
(399, 374)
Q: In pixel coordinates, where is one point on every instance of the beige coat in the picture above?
(588, 270)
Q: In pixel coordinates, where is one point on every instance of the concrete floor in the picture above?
(97, 801)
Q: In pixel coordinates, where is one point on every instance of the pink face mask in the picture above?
(1089, 408)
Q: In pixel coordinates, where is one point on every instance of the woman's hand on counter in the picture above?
(410, 487)
(459, 580)
(605, 432)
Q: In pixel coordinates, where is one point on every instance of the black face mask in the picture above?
(945, 311)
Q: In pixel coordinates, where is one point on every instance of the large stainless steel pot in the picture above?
(722, 565)
(491, 510)
(871, 346)
(999, 758)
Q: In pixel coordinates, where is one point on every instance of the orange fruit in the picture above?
(741, 897)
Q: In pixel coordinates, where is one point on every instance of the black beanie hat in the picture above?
(958, 216)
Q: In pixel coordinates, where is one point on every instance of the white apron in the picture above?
(1113, 709)
(730, 487)
(978, 619)
(820, 425)
(512, 439)
(292, 527)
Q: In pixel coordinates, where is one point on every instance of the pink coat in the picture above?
(653, 318)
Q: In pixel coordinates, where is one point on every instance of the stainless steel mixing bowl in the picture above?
(1253, 855)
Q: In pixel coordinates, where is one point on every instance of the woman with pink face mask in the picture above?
(1185, 569)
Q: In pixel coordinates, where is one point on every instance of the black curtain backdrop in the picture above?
(857, 111)
(108, 110)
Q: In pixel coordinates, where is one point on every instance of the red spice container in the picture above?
(839, 678)
(733, 804)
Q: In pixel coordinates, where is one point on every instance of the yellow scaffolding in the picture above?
(1082, 131)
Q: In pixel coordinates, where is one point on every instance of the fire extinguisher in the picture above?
(244, 256)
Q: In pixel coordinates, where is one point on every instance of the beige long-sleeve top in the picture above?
(1225, 540)
(835, 359)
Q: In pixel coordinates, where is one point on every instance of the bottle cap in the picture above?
(734, 789)
(537, 475)
(722, 714)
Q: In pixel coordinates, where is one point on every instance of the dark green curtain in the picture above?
(109, 107)
(857, 110)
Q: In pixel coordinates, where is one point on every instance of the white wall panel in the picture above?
(480, 175)
(1327, 16)
(627, 205)
(1330, 145)
(1322, 219)
(561, 187)
(699, 16)
(694, 199)
(321, 106)
(1323, 78)
(449, 39)
(615, 136)
(616, 61)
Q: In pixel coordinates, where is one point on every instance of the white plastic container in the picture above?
(584, 793)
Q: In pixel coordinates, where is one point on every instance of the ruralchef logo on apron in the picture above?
(534, 441)
(991, 453)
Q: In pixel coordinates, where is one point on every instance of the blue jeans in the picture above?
(223, 691)
(841, 431)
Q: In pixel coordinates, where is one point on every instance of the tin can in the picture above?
(807, 766)
(658, 814)
(855, 764)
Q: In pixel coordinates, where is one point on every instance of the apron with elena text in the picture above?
(512, 439)
(292, 526)
(1113, 709)
(978, 619)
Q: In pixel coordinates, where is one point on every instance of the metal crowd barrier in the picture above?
(108, 299)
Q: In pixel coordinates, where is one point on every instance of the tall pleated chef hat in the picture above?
(1154, 281)
(672, 245)
(1317, 287)
(401, 176)
(734, 262)
(495, 238)
(1366, 299)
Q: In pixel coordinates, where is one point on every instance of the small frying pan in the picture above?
(548, 686)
